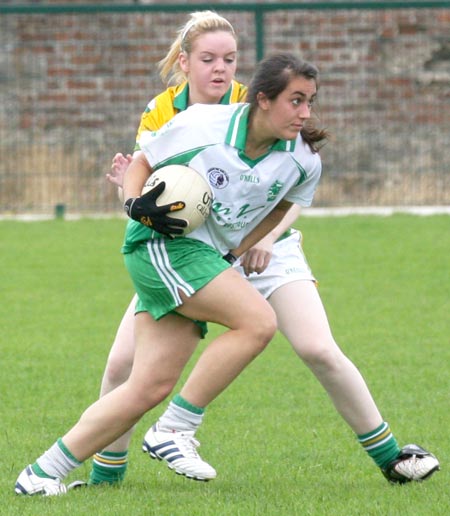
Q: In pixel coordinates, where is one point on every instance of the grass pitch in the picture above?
(277, 443)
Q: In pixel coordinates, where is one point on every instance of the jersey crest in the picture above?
(217, 178)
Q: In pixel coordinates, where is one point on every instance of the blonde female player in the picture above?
(183, 281)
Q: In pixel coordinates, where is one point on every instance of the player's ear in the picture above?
(263, 101)
(183, 62)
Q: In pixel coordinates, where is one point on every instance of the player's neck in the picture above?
(257, 143)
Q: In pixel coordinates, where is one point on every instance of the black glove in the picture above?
(145, 210)
(230, 258)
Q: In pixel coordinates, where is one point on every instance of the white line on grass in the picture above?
(382, 211)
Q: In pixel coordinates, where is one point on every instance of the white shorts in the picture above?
(288, 264)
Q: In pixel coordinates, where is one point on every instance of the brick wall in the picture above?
(73, 86)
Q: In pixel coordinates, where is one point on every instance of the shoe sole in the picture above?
(19, 490)
(146, 449)
(77, 484)
(428, 475)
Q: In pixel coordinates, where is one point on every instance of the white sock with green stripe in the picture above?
(181, 416)
(56, 462)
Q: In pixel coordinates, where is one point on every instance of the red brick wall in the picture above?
(73, 86)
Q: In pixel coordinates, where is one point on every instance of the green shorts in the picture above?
(160, 268)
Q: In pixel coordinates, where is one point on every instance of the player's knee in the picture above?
(148, 396)
(117, 370)
(263, 327)
(321, 353)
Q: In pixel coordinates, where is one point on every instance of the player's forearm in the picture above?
(268, 224)
(120, 194)
(286, 222)
(135, 176)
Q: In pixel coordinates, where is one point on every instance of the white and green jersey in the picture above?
(211, 139)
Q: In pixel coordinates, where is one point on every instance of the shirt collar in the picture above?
(181, 99)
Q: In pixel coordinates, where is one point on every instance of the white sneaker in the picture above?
(413, 464)
(179, 450)
(29, 483)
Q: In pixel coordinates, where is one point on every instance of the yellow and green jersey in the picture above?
(174, 99)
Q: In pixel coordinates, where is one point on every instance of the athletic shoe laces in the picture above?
(188, 445)
(56, 487)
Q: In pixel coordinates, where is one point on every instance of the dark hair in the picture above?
(272, 76)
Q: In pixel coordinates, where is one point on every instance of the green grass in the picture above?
(279, 447)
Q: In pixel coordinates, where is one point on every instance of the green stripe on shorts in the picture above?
(162, 267)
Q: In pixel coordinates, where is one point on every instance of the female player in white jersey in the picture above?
(277, 267)
(261, 139)
(205, 47)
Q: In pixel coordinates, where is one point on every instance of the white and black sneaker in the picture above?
(77, 484)
(413, 464)
(179, 451)
(30, 484)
